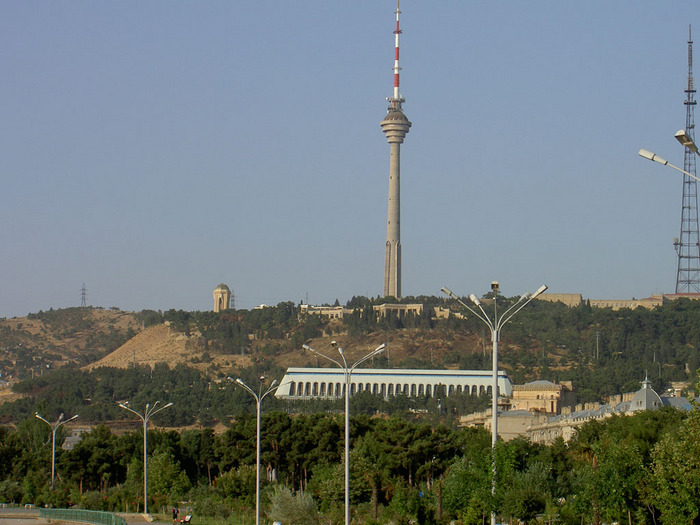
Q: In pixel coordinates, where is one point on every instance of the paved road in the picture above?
(21, 521)
(20, 516)
(19, 513)
(23, 516)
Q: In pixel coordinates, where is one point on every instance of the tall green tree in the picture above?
(675, 473)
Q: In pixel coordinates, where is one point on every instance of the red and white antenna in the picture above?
(396, 100)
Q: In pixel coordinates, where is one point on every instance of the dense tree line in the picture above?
(198, 398)
(640, 469)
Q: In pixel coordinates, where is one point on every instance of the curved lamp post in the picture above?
(654, 157)
(348, 375)
(54, 428)
(149, 412)
(495, 325)
(259, 396)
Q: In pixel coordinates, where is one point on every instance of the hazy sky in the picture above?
(153, 150)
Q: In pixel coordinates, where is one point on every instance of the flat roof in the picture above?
(396, 372)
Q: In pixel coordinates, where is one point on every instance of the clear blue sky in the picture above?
(153, 150)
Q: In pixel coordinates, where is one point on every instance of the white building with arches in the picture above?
(329, 383)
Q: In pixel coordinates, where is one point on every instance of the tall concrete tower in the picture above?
(395, 126)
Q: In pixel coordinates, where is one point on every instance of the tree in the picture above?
(527, 493)
(675, 479)
(167, 482)
(291, 509)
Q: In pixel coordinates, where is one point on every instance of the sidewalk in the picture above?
(140, 519)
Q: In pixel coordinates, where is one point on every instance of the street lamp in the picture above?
(495, 326)
(54, 428)
(259, 396)
(149, 412)
(654, 157)
(686, 141)
(348, 376)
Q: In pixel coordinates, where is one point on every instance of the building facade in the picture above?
(329, 383)
(545, 428)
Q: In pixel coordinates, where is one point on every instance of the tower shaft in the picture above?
(392, 257)
(688, 245)
(395, 126)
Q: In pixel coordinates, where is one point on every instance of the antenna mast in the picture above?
(688, 246)
(83, 297)
(396, 100)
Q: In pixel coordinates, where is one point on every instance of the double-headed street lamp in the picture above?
(259, 396)
(54, 427)
(348, 376)
(149, 412)
(495, 326)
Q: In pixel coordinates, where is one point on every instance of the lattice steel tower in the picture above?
(688, 245)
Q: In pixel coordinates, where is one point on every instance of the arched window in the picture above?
(450, 390)
(323, 390)
(420, 390)
(315, 390)
(391, 390)
(413, 390)
(429, 390)
(292, 388)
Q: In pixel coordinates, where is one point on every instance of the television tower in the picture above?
(688, 246)
(395, 126)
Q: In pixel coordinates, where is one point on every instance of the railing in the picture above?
(79, 515)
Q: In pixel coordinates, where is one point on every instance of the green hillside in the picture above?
(603, 352)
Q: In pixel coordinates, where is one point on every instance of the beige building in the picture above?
(616, 304)
(543, 397)
(569, 299)
(222, 298)
(545, 428)
(575, 299)
(381, 310)
(332, 312)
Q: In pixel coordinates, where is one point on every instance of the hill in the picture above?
(603, 352)
(45, 340)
